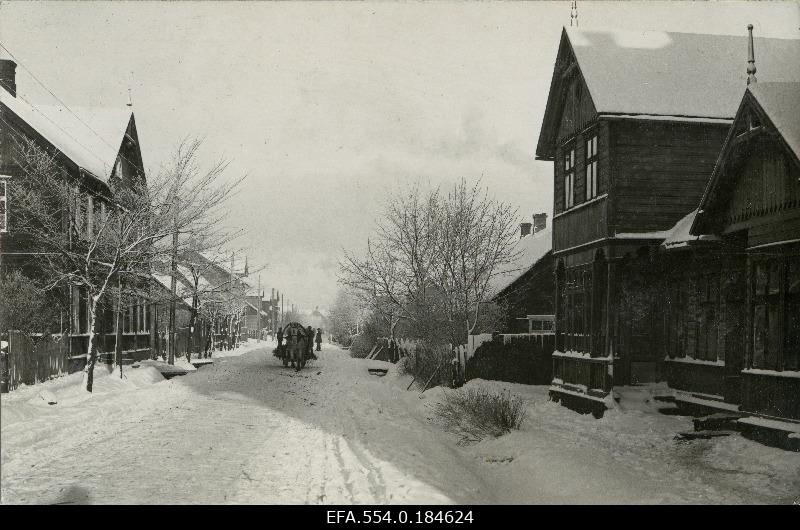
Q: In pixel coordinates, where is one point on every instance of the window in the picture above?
(591, 168)
(3, 204)
(776, 299)
(569, 178)
(577, 291)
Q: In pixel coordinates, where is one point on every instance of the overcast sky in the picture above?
(328, 105)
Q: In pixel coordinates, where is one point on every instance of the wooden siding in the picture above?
(578, 112)
(771, 395)
(582, 225)
(765, 194)
(531, 294)
(660, 171)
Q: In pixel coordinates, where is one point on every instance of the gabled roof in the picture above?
(75, 135)
(529, 250)
(679, 76)
(779, 105)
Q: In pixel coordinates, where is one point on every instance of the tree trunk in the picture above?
(118, 327)
(91, 354)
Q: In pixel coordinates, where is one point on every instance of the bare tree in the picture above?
(477, 240)
(97, 238)
(432, 258)
(394, 276)
(195, 197)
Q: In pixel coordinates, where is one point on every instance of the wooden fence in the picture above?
(30, 362)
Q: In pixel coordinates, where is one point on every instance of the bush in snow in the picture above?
(474, 413)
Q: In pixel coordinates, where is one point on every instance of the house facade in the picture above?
(525, 291)
(749, 218)
(634, 124)
(98, 148)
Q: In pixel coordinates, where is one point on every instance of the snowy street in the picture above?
(248, 430)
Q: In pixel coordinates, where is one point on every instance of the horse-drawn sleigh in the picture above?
(298, 347)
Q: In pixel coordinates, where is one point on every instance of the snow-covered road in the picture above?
(248, 430)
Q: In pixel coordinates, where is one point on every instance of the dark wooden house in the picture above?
(747, 336)
(97, 147)
(634, 124)
(525, 289)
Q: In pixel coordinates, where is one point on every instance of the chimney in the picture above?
(751, 59)
(539, 222)
(524, 229)
(8, 76)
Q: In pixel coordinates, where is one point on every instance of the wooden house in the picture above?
(634, 124)
(749, 303)
(525, 289)
(98, 148)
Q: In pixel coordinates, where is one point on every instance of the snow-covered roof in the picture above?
(164, 279)
(203, 284)
(680, 235)
(91, 137)
(676, 74)
(659, 75)
(781, 102)
(530, 249)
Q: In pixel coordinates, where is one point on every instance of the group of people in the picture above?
(299, 344)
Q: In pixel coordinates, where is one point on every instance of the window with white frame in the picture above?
(569, 178)
(3, 204)
(591, 168)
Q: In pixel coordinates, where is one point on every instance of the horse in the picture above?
(296, 346)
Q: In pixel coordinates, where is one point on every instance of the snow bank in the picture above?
(602, 460)
(250, 345)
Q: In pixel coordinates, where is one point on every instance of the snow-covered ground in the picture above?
(248, 430)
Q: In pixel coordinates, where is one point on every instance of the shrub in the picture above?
(524, 360)
(474, 414)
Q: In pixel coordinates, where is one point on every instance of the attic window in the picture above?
(753, 121)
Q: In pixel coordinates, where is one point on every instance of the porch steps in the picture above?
(703, 434)
(777, 433)
(717, 421)
(697, 404)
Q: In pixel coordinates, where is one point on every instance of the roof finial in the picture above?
(751, 59)
(573, 13)
(130, 98)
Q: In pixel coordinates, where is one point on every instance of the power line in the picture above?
(21, 134)
(45, 116)
(20, 63)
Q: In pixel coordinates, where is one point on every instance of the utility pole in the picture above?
(272, 312)
(173, 284)
(231, 341)
(258, 310)
(282, 323)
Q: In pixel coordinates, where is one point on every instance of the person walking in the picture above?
(319, 339)
(310, 339)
